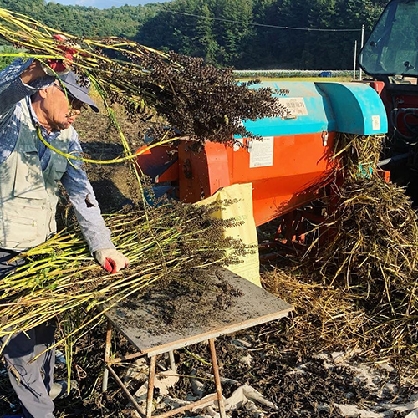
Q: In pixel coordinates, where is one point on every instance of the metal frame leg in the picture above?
(173, 365)
(215, 368)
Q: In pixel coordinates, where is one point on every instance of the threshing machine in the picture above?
(290, 166)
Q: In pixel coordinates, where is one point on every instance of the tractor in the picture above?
(390, 58)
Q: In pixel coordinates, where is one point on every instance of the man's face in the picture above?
(59, 109)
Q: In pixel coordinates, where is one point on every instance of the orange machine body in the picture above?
(284, 173)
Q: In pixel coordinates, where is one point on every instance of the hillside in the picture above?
(243, 34)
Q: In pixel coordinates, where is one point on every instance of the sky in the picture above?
(105, 4)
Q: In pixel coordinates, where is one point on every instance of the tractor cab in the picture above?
(390, 57)
(391, 52)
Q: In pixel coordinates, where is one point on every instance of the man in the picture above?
(36, 103)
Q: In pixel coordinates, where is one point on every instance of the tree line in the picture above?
(245, 34)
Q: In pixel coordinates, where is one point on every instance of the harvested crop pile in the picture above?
(356, 287)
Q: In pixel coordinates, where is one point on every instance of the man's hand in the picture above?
(111, 260)
(33, 72)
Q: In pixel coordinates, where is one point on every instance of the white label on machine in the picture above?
(376, 122)
(295, 105)
(261, 152)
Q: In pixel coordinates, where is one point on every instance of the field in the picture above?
(297, 75)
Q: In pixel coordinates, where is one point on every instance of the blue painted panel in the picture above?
(323, 106)
(357, 107)
(317, 118)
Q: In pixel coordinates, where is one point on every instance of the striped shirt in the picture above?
(12, 94)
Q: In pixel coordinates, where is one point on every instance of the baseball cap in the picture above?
(79, 90)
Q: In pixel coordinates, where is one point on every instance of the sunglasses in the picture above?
(75, 104)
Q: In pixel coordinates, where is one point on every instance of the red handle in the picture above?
(69, 51)
(110, 265)
(57, 65)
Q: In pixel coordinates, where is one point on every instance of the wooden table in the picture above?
(140, 322)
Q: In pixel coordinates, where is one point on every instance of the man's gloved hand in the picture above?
(111, 260)
(61, 66)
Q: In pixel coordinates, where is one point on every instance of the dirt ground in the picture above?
(294, 382)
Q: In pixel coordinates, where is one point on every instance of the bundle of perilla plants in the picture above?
(194, 100)
(165, 242)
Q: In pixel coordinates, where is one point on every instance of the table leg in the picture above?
(215, 368)
(172, 361)
(151, 380)
(107, 355)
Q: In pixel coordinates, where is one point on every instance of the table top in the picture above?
(237, 305)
